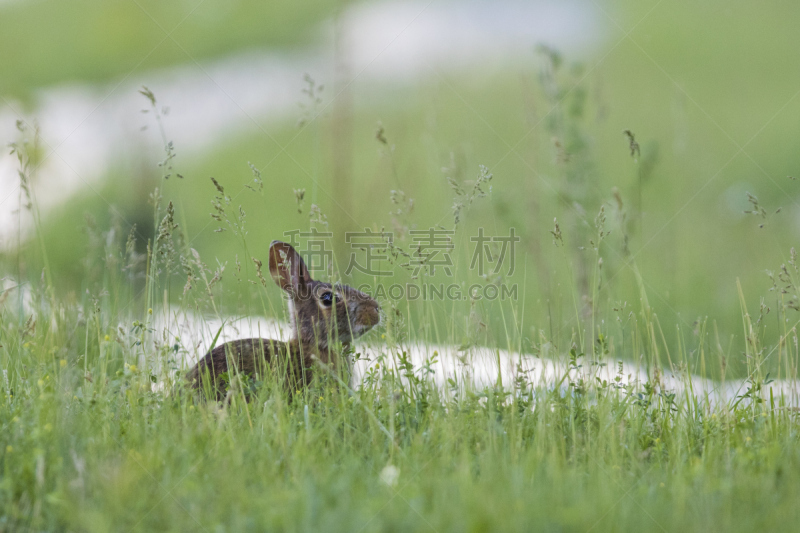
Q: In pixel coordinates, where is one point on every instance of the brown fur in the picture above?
(316, 325)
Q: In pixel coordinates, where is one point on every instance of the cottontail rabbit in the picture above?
(321, 314)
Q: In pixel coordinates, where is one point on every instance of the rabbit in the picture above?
(321, 314)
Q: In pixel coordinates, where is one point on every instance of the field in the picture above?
(90, 444)
(651, 191)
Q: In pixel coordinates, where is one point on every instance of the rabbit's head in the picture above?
(321, 312)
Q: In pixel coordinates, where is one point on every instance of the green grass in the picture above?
(733, 83)
(121, 457)
(690, 245)
(96, 437)
(95, 41)
(88, 443)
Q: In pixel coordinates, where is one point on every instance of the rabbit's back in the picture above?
(254, 357)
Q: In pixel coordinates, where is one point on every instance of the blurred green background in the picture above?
(709, 89)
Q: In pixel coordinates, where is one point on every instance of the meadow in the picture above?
(99, 41)
(96, 436)
(652, 191)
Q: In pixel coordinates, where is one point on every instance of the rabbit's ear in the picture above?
(288, 268)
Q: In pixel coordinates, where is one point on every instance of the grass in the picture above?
(89, 444)
(685, 233)
(95, 436)
(97, 41)
(94, 457)
(683, 199)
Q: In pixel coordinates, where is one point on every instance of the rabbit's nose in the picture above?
(369, 316)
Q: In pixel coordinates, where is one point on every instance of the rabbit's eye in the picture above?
(326, 298)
